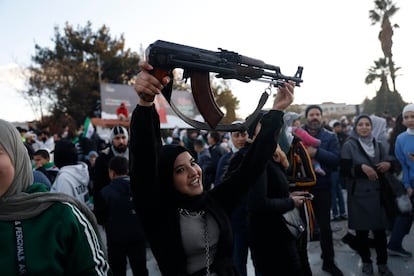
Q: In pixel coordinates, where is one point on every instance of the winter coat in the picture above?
(365, 210)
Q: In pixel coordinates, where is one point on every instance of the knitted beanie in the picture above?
(118, 130)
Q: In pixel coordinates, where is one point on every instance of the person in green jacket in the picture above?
(42, 233)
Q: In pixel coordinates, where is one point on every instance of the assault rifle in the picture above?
(198, 63)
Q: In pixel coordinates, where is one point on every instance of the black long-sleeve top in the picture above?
(160, 221)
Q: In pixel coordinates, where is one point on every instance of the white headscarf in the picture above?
(379, 128)
(408, 107)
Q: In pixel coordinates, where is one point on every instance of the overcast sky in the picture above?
(334, 41)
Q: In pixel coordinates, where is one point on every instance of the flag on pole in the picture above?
(88, 128)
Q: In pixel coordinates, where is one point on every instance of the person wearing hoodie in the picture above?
(73, 176)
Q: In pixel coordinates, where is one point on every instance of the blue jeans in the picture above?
(400, 228)
(337, 196)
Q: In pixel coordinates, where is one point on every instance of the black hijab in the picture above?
(172, 196)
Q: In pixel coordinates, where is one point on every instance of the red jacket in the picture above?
(122, 110)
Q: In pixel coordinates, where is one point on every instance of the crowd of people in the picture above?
(202, 200)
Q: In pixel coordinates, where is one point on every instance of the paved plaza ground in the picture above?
(346, 258)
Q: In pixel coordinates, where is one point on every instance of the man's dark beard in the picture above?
(314, 125)
(121, 148)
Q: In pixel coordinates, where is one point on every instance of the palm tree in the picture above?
(378, 71)
(383, 11)
(384, 99)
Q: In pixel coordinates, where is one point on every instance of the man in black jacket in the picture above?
(100, 177)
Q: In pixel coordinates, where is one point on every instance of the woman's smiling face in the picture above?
(363, 127)
(187, 175)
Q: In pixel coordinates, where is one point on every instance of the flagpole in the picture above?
(99, 71)
(99, 84)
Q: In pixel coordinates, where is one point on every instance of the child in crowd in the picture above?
(292, 121)
(42, 163)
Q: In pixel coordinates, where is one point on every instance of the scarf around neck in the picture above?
(367, 143)
(16, 203)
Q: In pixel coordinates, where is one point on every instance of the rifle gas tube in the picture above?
(198, 63)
